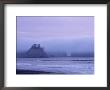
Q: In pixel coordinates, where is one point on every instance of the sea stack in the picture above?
(36, 52)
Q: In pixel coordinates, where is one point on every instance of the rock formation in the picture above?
(36, 52)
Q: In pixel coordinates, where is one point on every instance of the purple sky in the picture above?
(49, 30)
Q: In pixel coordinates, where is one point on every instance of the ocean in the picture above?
(55, 65)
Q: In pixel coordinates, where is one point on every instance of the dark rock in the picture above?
(36, 52)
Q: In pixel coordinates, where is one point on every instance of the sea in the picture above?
(57, 65)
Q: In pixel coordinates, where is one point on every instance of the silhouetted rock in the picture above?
(36, 52)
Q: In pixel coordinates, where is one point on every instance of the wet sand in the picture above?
(20, 71)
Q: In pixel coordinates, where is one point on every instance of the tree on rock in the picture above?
(36, 52)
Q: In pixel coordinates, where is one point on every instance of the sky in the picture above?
(60, 33)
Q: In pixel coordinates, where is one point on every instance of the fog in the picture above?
(56, 34)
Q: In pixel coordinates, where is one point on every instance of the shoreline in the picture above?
(21, 71)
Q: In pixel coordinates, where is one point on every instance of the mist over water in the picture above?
(68, 41)
(70, 34)
(71, 46)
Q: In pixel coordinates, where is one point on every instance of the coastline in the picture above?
(21, 71)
